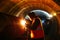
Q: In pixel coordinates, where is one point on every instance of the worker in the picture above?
(36, 28)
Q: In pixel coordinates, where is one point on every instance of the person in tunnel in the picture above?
(36, 28)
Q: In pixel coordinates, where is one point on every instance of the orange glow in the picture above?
(54, 14)
(23, 23)
(32, 35)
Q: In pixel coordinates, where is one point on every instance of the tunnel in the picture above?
(44, 9)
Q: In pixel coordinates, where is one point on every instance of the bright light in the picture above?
(32, 35)
(23, 22)
(54, 14)
(50, 15)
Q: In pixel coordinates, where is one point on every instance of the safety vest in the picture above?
(38, 33)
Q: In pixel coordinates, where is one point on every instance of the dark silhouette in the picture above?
(36, 27)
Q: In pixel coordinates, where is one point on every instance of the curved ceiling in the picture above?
(13, 7)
